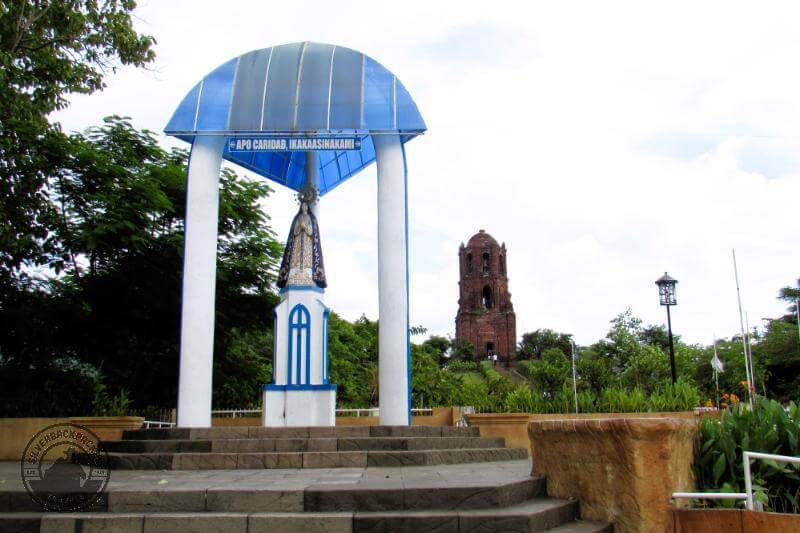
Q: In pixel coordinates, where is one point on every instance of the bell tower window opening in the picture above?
(469, 263)
(487, 297)
(502, 265)
(485, 262)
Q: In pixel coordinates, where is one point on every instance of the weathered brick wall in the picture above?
(482, 265)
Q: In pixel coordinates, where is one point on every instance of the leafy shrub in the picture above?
(475, 392)
(105, 404)
(678, 397)
(461, 366)
(619, 400)
(499, 385)
(767, 428)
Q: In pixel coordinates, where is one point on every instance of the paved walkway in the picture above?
(468, 474)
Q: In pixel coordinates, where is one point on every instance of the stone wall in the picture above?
(15, 433)
(513, 427)
(622, 470)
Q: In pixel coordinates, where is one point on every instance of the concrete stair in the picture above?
(343, 479)
(334, 447)
(535, 515)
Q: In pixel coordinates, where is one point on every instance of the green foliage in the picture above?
(438, 347)
(790, 295)
(461, 366)
(48, 50)
(499, 385)
(548, 372)
(475, 392)
(105, 404)
(779, 352)
(768, 428)
(464, 350)
(246, 367)
(353, 356)
(680, 397)
(114, 303)
(523, 400)
(534, 344)
(430, 385)
(730, 353)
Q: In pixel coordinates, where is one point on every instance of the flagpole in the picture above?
(716, 371)
(750, 351)
(741, 326)
(797, 308)
(574, 381)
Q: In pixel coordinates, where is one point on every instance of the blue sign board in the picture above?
(292, 144)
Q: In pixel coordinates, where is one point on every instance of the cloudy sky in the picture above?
(603, 142)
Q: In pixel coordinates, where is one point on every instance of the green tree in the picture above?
(438, 347)
(534, 344)
(430, 385)
(48, 50)
(353, 356)
(112, 298)
(731, 380)
(791, 295)
(548, 372)
(779, 351)
(463, 350)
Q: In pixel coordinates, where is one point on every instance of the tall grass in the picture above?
(668, 398)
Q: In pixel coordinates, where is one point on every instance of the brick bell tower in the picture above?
(485, 314)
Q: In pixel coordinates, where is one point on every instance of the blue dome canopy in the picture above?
(300, 89)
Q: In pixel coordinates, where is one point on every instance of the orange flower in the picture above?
(709, 403)
(734, 398)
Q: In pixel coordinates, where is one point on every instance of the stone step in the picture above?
(331, 444)
(250, 432)
(337, 459)
(583, 526)
(539, 514)
(376, 495)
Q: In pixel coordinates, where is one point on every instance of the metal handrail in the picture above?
(710, 495)
(747, 495)
(748, 480)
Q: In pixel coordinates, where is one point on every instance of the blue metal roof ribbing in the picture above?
(307, 89)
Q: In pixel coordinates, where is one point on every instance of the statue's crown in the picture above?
(308, 195)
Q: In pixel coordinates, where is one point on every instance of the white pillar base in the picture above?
(199, 283)
(394, 357)
(298, 406)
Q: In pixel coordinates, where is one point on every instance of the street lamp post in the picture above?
(666, 297)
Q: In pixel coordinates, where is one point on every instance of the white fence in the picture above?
(373, 411)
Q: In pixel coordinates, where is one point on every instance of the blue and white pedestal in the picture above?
(300, 394)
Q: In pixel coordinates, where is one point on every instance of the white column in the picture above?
(393, 343)
(199, 282)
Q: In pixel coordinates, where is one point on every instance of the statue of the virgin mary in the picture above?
(302, 258)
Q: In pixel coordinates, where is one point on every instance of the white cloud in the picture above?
(603, 142)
